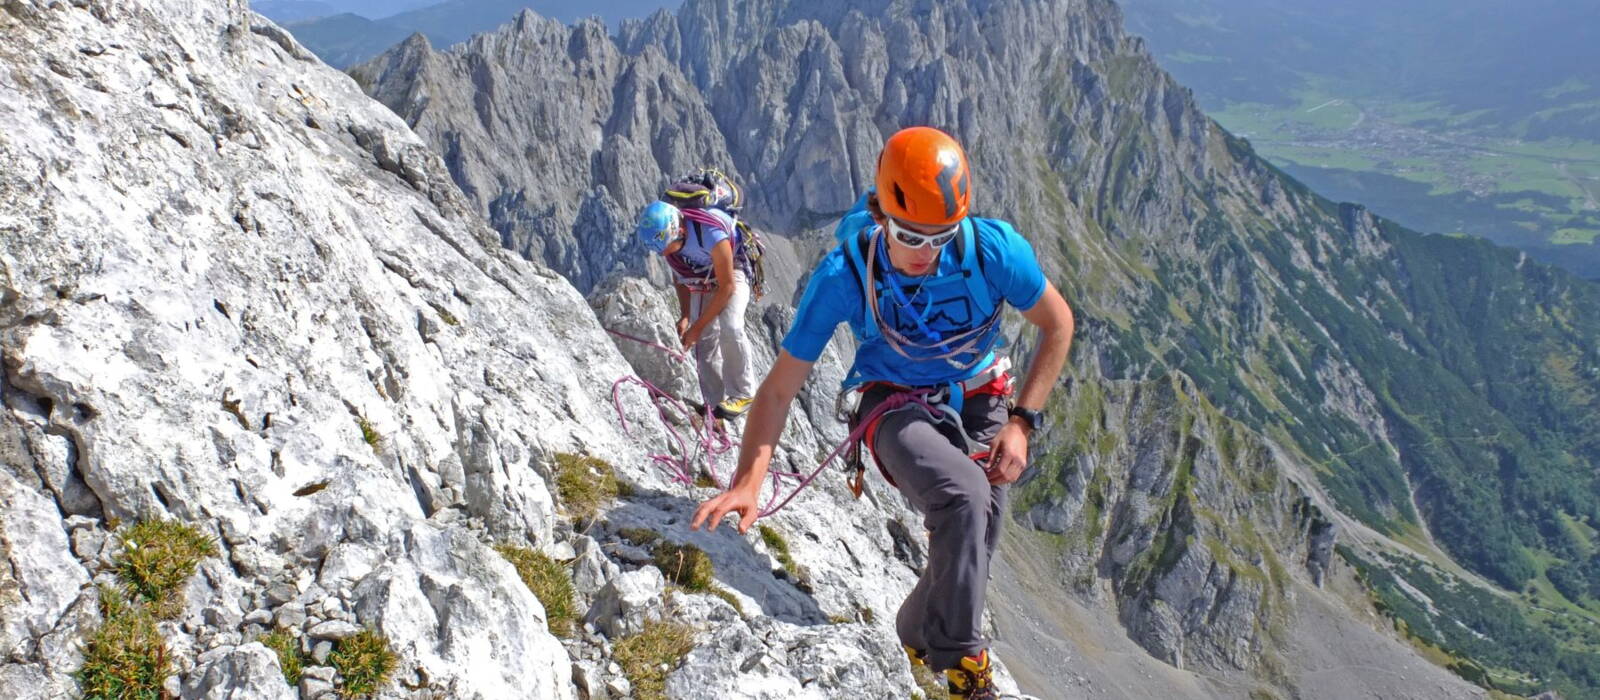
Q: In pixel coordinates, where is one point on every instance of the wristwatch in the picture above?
(1034, 419)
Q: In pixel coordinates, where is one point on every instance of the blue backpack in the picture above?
(854, 232)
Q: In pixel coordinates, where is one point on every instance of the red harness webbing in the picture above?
(999, 386)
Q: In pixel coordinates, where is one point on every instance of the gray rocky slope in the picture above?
(1181, 250)
(236, 292)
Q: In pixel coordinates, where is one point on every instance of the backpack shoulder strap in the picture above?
(972, 266)
(855, 253)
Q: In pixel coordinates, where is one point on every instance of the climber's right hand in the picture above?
(736, 500)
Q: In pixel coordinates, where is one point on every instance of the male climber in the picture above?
(922, 285)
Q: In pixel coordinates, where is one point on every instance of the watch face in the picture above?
(1034, 419)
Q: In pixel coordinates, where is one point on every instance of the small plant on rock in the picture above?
(157, 557)
(930, 682)
(290, 658)
(647, 657)
(370, 435)
(729, 598)
(686, 565)
(125, 658)
(780, 550)
(585, 484)
(549, 582)
(643, 537)
(364, 663)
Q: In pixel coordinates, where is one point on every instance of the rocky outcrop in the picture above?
(239, 294)
(1183, 520)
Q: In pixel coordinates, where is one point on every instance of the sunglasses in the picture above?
(917, 239)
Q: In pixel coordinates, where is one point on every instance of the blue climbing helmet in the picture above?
(659, 223)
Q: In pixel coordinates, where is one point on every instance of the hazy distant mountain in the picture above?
(285, 11)
(1469, 117)
(354, 36)
(1531, 67)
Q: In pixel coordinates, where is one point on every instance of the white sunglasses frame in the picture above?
(900, 233)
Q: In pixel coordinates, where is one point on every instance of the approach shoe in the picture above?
(973, 679)
(917, 657)
(733, 407)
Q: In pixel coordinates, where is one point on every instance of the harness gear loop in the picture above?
(942, 405)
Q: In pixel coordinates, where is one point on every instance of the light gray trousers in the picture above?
(723, 355)
(943, 615)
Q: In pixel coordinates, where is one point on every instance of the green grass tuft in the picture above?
(685, 565)
(370, 434)
(549, 582)
(776, 542)
(364, 663)
(930, 683)
(290, 658)
(585, 484)
(640, 536)
(157, 557)
(125, 658)
(445, 315)
(729, 598)
(647, 657)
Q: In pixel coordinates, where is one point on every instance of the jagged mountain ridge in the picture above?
(352, 36)
(1347, 340)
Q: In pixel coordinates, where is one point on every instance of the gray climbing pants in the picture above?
(723, 355)
(961, 510)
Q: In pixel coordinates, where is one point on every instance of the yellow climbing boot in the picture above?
(916, 656)
(973, 679)
(733, 407)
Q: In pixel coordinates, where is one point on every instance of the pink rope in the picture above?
(676, 355)
(891, 403)
(715, 442)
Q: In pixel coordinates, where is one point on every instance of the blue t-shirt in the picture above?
(833, 296)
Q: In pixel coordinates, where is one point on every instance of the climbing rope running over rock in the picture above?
(712, 440)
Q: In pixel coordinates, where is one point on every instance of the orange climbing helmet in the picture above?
(923, 177)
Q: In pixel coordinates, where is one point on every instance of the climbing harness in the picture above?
(943, 405)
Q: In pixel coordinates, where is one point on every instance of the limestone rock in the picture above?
(628, 601)
(249, 671)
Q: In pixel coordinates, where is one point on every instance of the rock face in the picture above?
(236, 292)
(220, 267)
(629, 123)
(1180, 518)
(1349, 343)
